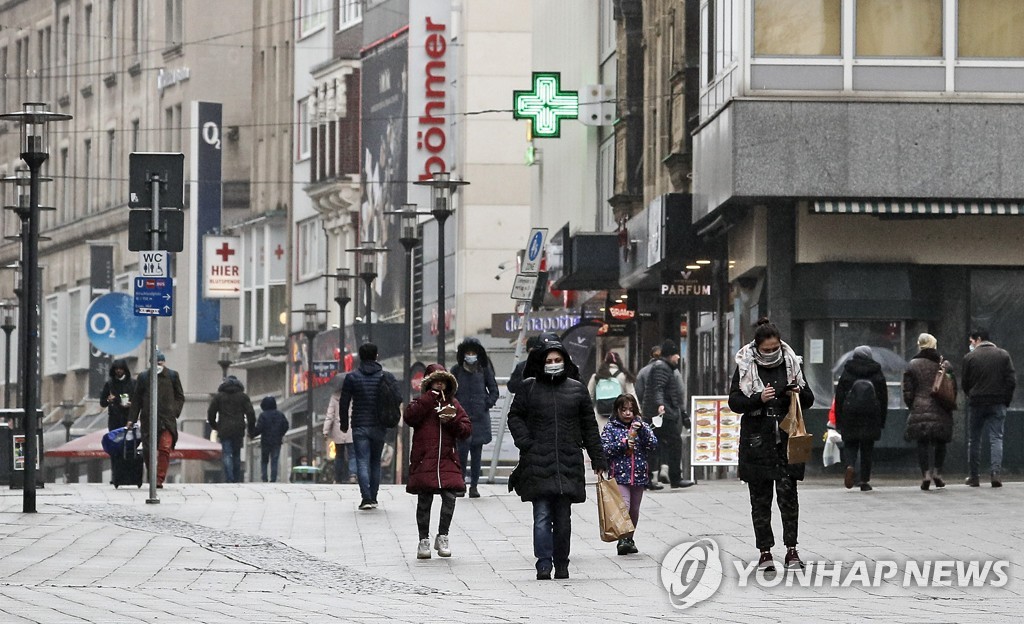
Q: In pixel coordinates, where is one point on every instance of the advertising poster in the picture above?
(716, 432)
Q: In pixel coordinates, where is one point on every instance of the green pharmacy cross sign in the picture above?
(546, 105)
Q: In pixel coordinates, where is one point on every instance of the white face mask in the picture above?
(554, 369)
(613, 368)
(159, 368)
(470, 359)
(971, 347)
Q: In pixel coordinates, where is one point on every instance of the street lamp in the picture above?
(33, 119)
(409, 240)
(68, 421)
(441, 188)
(8, 326)
(366, 264)
(313, 320)
(342, 298)
(226, 346)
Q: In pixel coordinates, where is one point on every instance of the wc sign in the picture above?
(222, 273)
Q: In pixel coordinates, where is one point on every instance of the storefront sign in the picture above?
(508, 325)
(716, 432)
(686, 284)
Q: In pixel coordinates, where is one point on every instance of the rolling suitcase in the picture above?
(126, 465)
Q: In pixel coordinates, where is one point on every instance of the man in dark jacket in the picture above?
(270, 427)
(643, 376)
(360, 390)
(170, 399)
(551, 420)
(663, 397)
(860, 413)
(477, 393)
(988, 381)
(116, 397)
(230, 414)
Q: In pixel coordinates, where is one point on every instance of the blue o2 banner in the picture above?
(204, 216)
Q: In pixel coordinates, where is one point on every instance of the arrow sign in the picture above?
(222, 273)
(154, 296)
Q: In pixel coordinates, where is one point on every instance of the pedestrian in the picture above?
(344, 453)
(552, 421)
(663, 399)
(929, 423)
(767, 372)
(640, 387)
(605, 386)
(988, 381)
(359, 392)
(862, 403)
(628, 441)
(116, 397)
(438, 422)
(170, 400)
(478, 393)
(230, 414)
(515, 379)
(270, 427)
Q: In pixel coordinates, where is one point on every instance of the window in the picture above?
(135, 135)
(3, 83)
(19, 72)
(797, 27)
(310, 248)
(65, 179)
(302, 130)
(312, 16)
(350, 13)
(110, 37)
(173, 28)
(264, 313)
(136, 27)
(65, 50)
(89, 37)
(112, 182)
(990, 29)
(45, 63)
(899, 28)
(607, 32)
(86, 196)
(172, 128)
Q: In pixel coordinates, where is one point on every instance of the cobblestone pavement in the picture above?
(304, 553)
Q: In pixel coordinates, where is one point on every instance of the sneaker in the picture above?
(972, 481)
(441, 546)
(562, 571)
(366, 504)
(662, 478)
(848, 477)
(632, 547)
(939, 483)
(622, 547)
(793, 559)
(544, 572)
(995, 480)
(423, 549)
(373, 504)
(766, 563)
(681, 484)
(866, 487)
(473, 492)
(654, 486)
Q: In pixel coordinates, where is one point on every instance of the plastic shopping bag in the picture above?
(831, 454)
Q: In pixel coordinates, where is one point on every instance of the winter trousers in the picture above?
(761, 511)
(866, 449)
(670, 449)
(924, 459)
(470, 456)
(164, 442)
(423, 504)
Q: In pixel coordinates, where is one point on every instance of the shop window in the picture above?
(899, 28)
(990, 29)
(797, 27)
(995, 306)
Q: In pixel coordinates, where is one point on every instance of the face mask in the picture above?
(612, 368)
(470, 359)
(159, 368)
(554, 369)
(971, 347)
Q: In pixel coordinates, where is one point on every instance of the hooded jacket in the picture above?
(434, 460)
(359, 392)
(860, 428)
(625, 467)
(117, 410)
(271, 425)
(927, 420)
(230, 413)
(477, 389)
(552, 421)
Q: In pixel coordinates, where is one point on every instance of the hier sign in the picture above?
(222, 273)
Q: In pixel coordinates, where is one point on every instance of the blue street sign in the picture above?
(112, 327)
(536, 244)
(153, 296)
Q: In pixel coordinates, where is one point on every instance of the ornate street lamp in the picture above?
(226, 349)
(8, 326)
(366, 264)
(342, 298)
(313, 321)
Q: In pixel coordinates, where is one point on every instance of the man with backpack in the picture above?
(372, 394)
(862, 402)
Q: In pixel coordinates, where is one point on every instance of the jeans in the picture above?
(474, 451)
(552, 528)
(990, 419)
(849, 453)
(272, 454)
(344, 462)
(369, 444)
(231, 456)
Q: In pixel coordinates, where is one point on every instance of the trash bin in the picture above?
(305, 474)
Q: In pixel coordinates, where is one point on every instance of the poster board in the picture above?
(715, 439)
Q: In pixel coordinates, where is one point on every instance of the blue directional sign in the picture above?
(534, 250)
(154, 296)
(111, 325)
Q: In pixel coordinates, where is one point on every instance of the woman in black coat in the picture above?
(478, 393)
(552, 421)
(861, 426)
(767, 371)
(116, 397)
(929, 423)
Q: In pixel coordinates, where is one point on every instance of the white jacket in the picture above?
(332, 423)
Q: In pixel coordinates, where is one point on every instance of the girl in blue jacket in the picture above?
(627, 441)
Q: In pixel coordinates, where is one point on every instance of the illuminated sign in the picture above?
(546, 105)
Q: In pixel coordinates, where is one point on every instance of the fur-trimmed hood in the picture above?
(474, 345)
(435, 372)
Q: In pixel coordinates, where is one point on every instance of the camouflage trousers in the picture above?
(761, 511)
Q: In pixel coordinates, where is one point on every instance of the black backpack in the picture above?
(861, 400)
(389, 401)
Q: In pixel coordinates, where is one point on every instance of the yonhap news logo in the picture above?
(692, 572)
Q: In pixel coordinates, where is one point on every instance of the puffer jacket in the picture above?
(552, 421)
(359, 392)
(478, 390)
(272, 425)
(864, 428)
(434, 460)
(230, 413)
(625, 467)
(117, 410)
(927, 420)
(663, 388)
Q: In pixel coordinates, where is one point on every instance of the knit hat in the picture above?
(926, 341)
(863, 351)
(669, 348)
(160, 357)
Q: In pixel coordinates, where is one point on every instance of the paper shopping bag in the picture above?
(798, 449)
(612, 513)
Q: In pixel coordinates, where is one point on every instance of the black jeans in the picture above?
(866, 448)
(761, 511)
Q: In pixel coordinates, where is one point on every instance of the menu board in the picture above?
(715, 432)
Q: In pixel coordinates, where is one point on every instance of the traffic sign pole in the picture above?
(154, 236)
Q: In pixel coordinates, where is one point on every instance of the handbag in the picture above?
(612, 514)
(944, 387)
(798, 448)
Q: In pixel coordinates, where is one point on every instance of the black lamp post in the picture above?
(33, 119)
(313, 321)
(68, 421)
(409, 240)
(366, 263)
(441, 188)
(7, 326)
(226, 346)
(342, 298)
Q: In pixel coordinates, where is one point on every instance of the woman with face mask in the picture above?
(478, 393)
(551, 421)
(611, 380)
(768, 376)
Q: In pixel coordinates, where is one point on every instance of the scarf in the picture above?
(748, 358)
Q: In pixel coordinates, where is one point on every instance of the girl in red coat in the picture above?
(438, 422)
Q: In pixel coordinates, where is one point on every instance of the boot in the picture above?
(632, 546)
(926, 481)
(623, 546)
(996, 482)
(848, 477)
(972, 481)
(937, 479)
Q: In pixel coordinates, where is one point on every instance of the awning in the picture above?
(917, 208)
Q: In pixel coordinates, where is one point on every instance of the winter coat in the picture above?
(117, 412)
(359, 396)
(763, 455)
(551, 421)
(230, 413)
(271, 425)
(625, 467)
(332, 421)
(989, 378)
(850, 426)
(434, 460)
(477, 390)
(663, 388)
(515, 380)
(170, 399)
(927, 420)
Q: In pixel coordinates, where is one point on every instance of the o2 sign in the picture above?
(112, 326)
